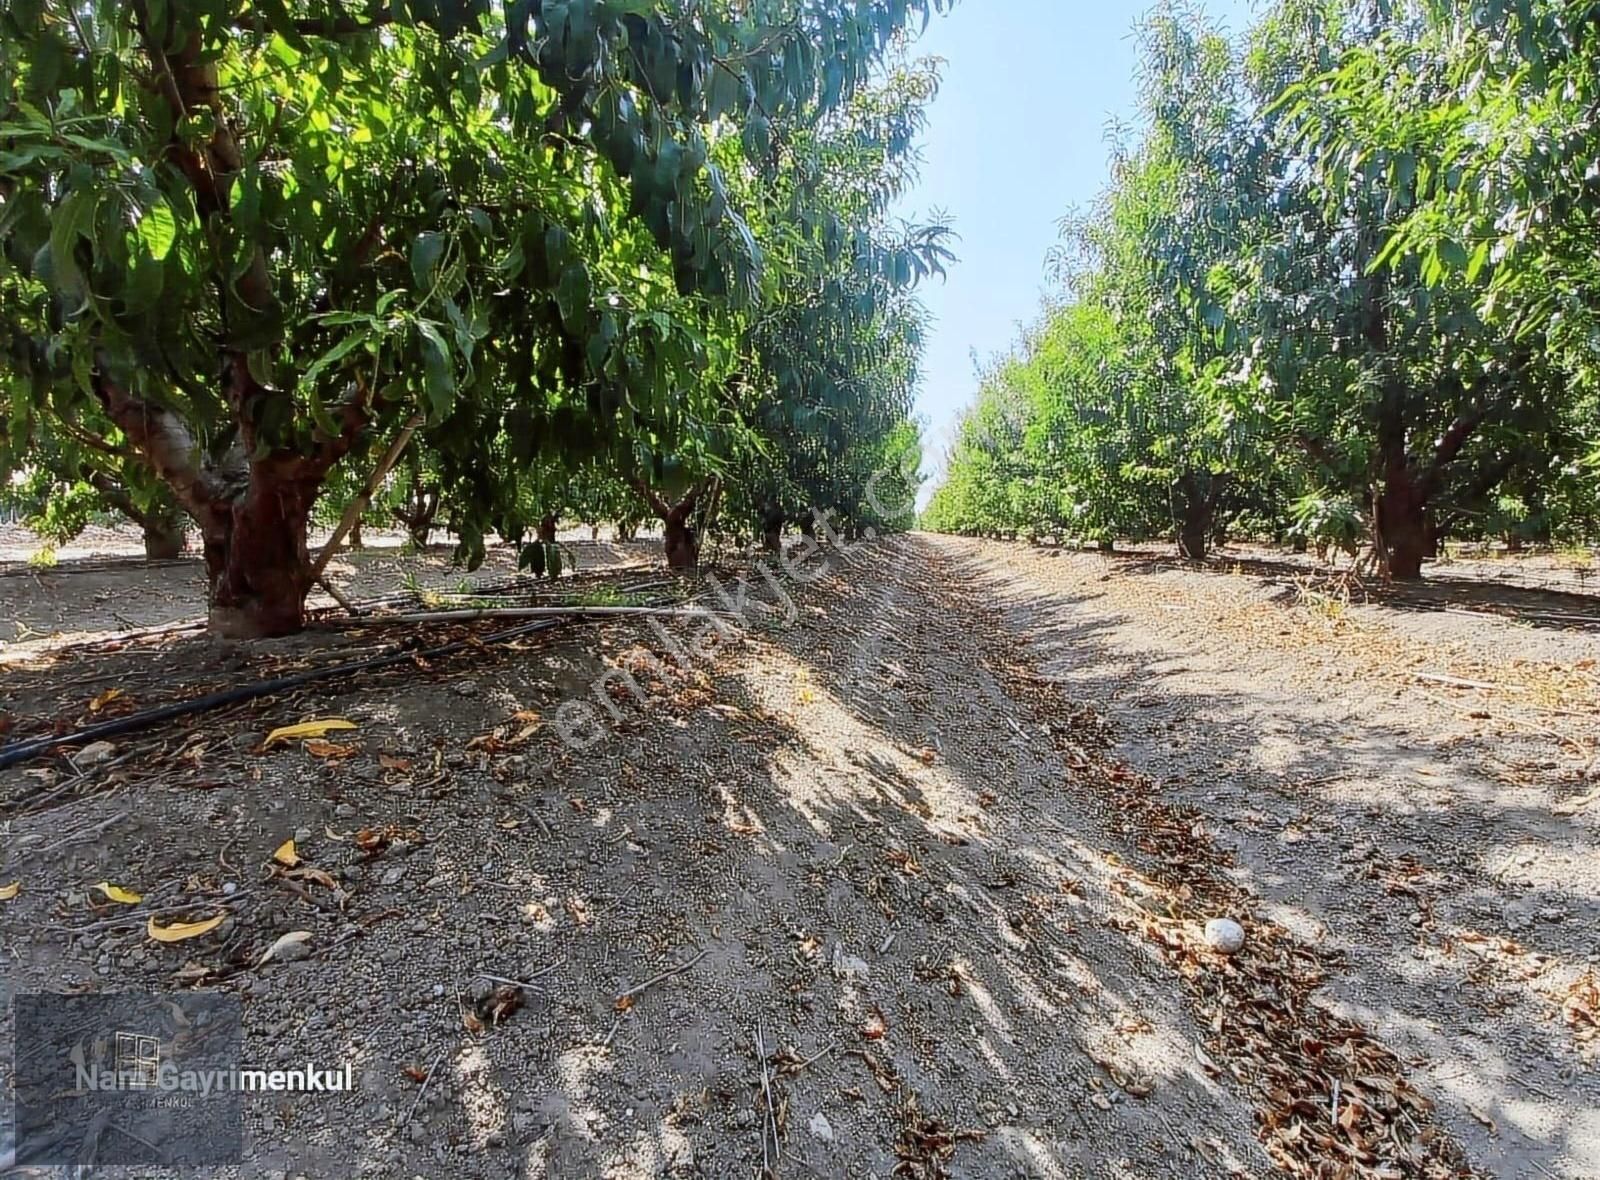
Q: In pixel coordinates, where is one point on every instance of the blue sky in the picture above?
(1015, 139)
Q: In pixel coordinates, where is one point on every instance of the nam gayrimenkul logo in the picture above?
(131, 1079)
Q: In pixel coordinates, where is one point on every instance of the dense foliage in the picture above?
(1343, 286)
(605, 256)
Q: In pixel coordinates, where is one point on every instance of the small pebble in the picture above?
(1225, 936)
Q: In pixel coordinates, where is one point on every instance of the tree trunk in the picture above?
(164, 534)
(1402, 522)
(1197, 513)
(256, 557)
(683, 548)
(418, 513)
(356, 541)
(547, 528)
(772, 518)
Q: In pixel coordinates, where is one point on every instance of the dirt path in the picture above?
(1406, 825)
(937, 888)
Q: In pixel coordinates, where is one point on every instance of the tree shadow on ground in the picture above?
(880, 853)
(1367, 835)
(1546, 609)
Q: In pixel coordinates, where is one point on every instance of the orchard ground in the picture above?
(919, 878)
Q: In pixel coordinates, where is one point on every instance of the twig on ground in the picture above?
(517, 982)
(83, 833)
(632, 992)
(534, 612)
(1458, 682)
(771, 1147)
(422, 1093)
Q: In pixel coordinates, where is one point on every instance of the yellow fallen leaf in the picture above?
(306, 729)
(286, 854)
(179, 931)
(115, 893)
(105, 698)
(7, 892)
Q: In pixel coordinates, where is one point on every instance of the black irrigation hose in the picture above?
(18, 752)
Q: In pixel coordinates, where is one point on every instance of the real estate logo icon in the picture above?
(138, 1061)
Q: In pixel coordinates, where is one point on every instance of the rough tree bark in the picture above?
(547, 528)
(1402, 522)
(252, 513)
(1197, 512)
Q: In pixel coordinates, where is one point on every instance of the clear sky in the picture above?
(1015, 139)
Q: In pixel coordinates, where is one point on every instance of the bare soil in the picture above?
(908, 877)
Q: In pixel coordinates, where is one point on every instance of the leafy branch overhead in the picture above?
(244, 240)
(1341, 288)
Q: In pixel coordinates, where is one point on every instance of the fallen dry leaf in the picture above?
(286, 854)
(293, 938)
(118, 894)
(390, 762)
(7, 892)
(416, 1075)
(105, 698)
(314, 875)
(330, 751)
(181, 931)
(306, 729)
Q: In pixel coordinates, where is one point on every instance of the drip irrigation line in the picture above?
(525, 612)
(15, 753)
(108, 565)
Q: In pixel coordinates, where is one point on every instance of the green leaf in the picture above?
(330, 358)
(158, 229)
(572, 297)
(425, 254)
(439, 379)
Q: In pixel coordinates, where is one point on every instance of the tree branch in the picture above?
(657, 505)
(166, 444)
(117, 497)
